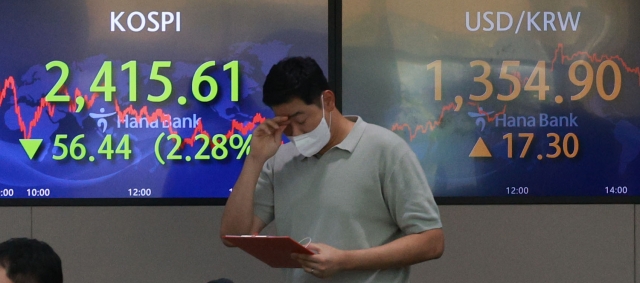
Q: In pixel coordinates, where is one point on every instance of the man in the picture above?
(356, 189)
(25, 260)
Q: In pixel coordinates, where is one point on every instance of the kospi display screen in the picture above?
(139, 99)
(504, 101)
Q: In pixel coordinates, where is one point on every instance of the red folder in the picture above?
(273, 250)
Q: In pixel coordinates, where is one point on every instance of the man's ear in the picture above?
(329, 100)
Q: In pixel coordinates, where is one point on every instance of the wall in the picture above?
(502, 243)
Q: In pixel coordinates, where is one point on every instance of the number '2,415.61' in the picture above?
(103, 82)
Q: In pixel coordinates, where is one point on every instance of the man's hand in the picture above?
(238, 217)
(267, 138)
(326, 262)
(401, 252)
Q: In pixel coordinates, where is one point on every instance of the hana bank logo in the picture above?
(132, 122)
(480, 118)
(101, 118)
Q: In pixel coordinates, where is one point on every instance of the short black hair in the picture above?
(30, 261)
(294, 77)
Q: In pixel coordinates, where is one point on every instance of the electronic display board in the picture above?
(503, 100)
(139, 99)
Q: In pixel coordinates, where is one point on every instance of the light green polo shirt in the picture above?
(365, 192)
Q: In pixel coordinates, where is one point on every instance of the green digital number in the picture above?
(124, 147)
(199, 78)
(53, 95)
(200, 155)
(219, 146)
(132, 66)
(75, 146)
(106, 148)
(235, 71)
(172, 155)
(105, 75)
(163, 79)
(62, 146)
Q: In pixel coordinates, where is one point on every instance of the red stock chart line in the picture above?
(156, 115)
(10, 84)
(489, 116)
(245, 129)
(432, 125)
(559, 55)
(423, 128)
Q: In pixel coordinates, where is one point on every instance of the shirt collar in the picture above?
(351, 141)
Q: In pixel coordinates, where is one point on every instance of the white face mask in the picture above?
(312, 142)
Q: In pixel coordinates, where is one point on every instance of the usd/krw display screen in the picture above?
(142, 99)
(503, 99)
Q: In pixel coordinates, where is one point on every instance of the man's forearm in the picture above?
(238, 212)
(405, 251)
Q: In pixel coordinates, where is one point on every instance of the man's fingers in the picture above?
(314, 247)
(273, 126)
(304, 259)
(280, 130)
(280, 119)
(262, 130)
(267, 128)
(270, 124)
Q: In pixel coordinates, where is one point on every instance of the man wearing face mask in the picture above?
(356, 189)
